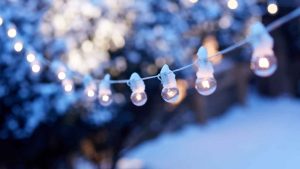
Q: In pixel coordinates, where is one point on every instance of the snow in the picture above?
(263, 134)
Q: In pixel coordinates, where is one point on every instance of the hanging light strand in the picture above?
(167, 76)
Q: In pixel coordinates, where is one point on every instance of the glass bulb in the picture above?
(170, 94)
(138, 98)
(264, 66)
(105, 99)
(206, 86)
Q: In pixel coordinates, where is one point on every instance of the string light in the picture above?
(18, 46)
(263, 61)
(61, 75)
(232, 4)
(35, 67)
(205, 84)
(105, 94)
(59, 69)
(137, 86)
(90, 88)
(12, 32)
(272, 8)
(30, 57)
(170, 91)
(67, 85)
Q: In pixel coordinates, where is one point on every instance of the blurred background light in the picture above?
(272, 8)
(232, 4)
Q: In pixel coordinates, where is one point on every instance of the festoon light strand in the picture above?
(263, 63)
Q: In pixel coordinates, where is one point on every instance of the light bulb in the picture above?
(206, 86)
(104, 92)
(232, 4)
(170, 94)
(264, 66)
(35, 68)
(18, 46)
(30, 57)
(90, 93)
(61, 75)
(90, 88)
(12, 32)
(105, 99)
(67, 85)
(138, 98)
(272, 8)
(137, 86)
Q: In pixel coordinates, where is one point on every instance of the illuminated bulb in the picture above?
(205, 84)
(12, 32)
(264, 66)
(170, 95)
(90, 93)
(61, 75)
(138, 98)
(67, 85)
(35, 67)
(232, 4)
(272, 8)
(263, 62)
(105, 94)
(90, 88)
(30, 57)
(105, 100)
(170, 92)
(137, 85)
(18, 46)
(1, 21)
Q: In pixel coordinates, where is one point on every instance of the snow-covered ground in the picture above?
(265, 134)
